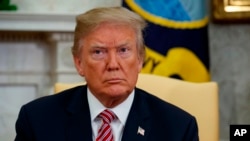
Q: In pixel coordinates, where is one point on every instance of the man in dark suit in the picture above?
(108, 52)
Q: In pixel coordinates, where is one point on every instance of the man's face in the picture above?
(109, 62)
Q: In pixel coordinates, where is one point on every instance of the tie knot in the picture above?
(107, 116)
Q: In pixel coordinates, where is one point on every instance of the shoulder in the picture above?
(162, 107)
(58, 100)
(47, 114)
(166, 119)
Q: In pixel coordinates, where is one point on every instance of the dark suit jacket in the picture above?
(66, 117)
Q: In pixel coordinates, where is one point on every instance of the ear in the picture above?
(79, 65)
(140, 64)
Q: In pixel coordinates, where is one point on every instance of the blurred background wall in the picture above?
(35, 53)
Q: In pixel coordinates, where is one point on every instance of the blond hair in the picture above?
(87, 22)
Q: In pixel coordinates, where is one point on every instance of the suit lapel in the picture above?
(79, 122)
(79, 128)
(139, 122)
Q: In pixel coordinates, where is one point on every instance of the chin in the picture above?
(118, 91)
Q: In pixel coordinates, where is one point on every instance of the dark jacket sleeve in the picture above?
(192, 131)
(23, 131)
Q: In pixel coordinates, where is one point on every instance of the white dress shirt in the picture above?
(121, 111)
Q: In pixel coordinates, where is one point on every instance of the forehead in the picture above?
(112, 26)
(111, 32)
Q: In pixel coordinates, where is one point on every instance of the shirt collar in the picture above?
(121, 110)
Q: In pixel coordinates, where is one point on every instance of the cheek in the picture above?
(94, 68)
(136, 64)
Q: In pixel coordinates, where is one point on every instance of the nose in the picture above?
(112, 62)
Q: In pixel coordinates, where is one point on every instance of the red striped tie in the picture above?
(105, 131)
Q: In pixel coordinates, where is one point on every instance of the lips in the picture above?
(114, 80)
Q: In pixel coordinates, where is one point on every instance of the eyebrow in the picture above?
(124, 44)
(100, 45)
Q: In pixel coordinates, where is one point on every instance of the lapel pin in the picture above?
(141, 131)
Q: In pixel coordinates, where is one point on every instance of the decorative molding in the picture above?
(36, 36)
(16, 21)
(21, 36)
(60, 36)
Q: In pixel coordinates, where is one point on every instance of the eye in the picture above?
(97, 51)
(124, 52)
(98, 54)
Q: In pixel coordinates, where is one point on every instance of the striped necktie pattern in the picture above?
(105, 131)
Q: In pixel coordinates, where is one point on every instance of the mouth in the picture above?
(114, 80)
